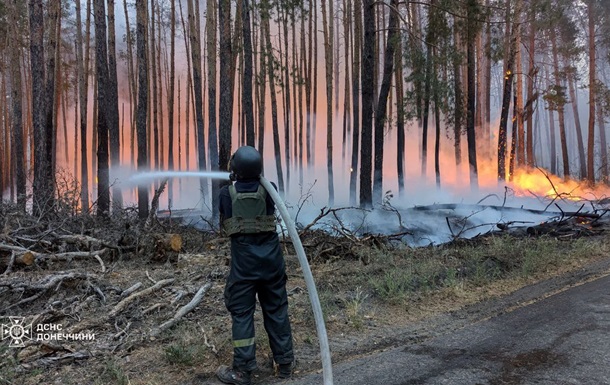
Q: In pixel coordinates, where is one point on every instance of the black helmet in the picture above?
(246, 163)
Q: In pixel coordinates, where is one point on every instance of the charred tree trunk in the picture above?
(42, 187)
(592, 83)
(400, 118)
(113, 107)
(382, 101)
(132, 85)
(222, 152)
(194, 36)
(511, 49)
(101, 71)
(262, 90)
(356, 100)
(530, 158)
(271, 75)
(54, 9)
(170, 99)
(328, 55)
(247, 78)
(142, 109)
(367, 89)
(211, 48)
(470, 129)
(17, 119)
(459, 97)
(518, 107)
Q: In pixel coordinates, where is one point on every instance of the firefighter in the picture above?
(257, 268)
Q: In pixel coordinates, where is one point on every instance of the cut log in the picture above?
(161, 247)
(16, 258)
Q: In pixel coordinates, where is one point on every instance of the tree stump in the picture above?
(162, 247)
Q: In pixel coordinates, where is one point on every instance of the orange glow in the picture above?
(536, 183)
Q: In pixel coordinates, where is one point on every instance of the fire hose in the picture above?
(311, 286)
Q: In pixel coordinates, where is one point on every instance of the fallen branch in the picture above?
(51, 281)
(60, 360)
(132, 289)
(183, 310)
(125, 302)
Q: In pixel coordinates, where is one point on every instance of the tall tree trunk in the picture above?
(142, 109)
(171, 100)
(513, 138)
(314, 129)
(17, 118)
(283, 16)
(579, 139)
(470, 129)
(530, 159)
(327, 23)
(518, 108)
(211, 48)
(560, 106)
(426, 99)
(262, 90)
(400, 118)
(154, 94)
(356, 100)
(592, 84)
(308, 87)
(511, 49)
(459, 107)
(194, 36)
(51, 111)
(272, 91)
(302, 75)
(603, 143)
(42, 187)
(347, 12)
(382, 101)
(222, 152)
(367, 89)
(101, 66)
(553, 145)
(113, 107)
(247, 78)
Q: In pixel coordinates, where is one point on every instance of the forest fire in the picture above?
(541, 184)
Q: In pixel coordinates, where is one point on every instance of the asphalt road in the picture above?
(563, 339)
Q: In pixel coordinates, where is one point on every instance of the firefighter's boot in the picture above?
(233, 376)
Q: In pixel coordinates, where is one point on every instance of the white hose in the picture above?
(311, 286)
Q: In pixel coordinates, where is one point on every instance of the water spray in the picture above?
(311, 286)
(147, 177)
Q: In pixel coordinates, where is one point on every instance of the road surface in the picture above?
(563, 339)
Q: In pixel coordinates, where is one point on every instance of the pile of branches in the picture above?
(61, 270)
(28, 241)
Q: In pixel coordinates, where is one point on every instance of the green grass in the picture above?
(112, 373)
(473, 263)
(354, 308)
(180, 354)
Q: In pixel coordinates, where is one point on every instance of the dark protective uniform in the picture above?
(257, 267)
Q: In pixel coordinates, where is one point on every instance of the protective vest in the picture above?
(249, 213)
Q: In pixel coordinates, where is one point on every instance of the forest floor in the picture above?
(375, 294)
